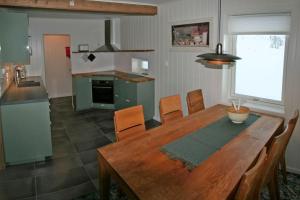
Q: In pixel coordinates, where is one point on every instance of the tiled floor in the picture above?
(73, 169)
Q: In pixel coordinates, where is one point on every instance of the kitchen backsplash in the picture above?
(6, 77)
(101, 62)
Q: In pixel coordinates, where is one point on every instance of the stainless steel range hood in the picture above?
(108, 46)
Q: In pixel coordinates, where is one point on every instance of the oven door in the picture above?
(103, 91)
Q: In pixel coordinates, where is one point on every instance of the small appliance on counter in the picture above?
(20, 73)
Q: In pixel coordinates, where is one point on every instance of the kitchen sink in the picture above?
(29, 84)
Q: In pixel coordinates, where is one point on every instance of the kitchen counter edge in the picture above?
(118, 74)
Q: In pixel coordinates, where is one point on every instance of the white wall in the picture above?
(176, 72)
(123, 60)
(82, 31)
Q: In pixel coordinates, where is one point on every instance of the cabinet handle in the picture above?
(116, 95)
(127, 100)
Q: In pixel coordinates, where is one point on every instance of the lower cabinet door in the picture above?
(117, 94)
(30, 140)
(83, 87)
(129, 102)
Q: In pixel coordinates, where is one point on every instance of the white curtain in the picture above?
(260, 24)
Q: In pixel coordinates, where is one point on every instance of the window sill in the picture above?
(272, 109)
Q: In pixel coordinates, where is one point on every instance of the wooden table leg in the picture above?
(104, 179)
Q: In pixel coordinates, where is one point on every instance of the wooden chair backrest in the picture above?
(170, 108)
(195, 101)
(277, 148)
(129, 121)
(292, 123)
(251, 183)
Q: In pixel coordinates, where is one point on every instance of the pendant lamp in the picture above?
(217, 59)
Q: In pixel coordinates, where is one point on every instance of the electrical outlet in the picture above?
(72, 3)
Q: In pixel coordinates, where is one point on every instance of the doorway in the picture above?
(58, 75)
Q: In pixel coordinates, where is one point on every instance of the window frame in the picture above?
(252, 99)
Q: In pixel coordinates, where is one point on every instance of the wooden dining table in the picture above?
(143, 171)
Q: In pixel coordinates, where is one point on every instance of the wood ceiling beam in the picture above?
(82, 6)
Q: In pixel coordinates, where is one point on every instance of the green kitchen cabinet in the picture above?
(1, 37)
(26, 132)
(117, 92)
(130, 94)
(126, 94)
(82, 92)
(14, 38)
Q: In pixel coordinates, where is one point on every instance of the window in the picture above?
(259, 76)
(139, 66)
(260, 72)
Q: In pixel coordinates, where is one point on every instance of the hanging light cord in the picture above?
(219, 48)
(219, 20)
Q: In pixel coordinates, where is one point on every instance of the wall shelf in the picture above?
(119, 51)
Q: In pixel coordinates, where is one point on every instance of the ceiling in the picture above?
(83, 15)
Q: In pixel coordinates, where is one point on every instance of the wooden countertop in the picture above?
(19, 95)
(121, 75)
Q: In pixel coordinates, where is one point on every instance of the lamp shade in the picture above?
(217, 58)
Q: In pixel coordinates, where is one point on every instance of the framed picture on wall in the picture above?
(191, 34)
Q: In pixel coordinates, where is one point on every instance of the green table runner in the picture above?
(196, 147)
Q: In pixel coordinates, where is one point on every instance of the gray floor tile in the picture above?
(61, 181)
(92, 144)
(58, 133)
(88, 156)
(69, 193)
(17, 172)
(62, 147)
(96, 183)
(92, 169)
(82, 128)
(85, 136)
(17, 189)
(28, 198)
(58, 165)
(107, 126)
(57, 125)
(111, 136)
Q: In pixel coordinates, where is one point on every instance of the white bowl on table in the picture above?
(238, 116)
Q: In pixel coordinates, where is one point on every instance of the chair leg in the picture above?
(283, 168)
(273, 187)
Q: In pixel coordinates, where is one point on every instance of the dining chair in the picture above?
(170, 109)
(292, 122)
(129, 121)
(195, 101)
(275, 153)
(251, 183)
